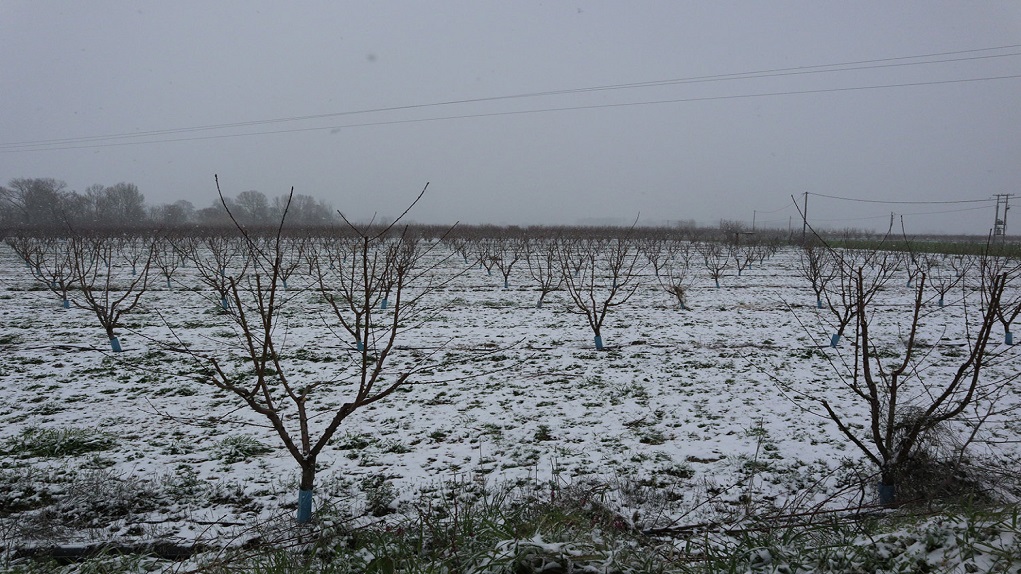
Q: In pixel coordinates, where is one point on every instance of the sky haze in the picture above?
(529, 112)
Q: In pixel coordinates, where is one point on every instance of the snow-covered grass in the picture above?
(703, 416)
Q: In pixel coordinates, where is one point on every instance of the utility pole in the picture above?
(1000, 222)
(753, 221)
(804, 218)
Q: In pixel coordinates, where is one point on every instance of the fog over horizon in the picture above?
(530, 113)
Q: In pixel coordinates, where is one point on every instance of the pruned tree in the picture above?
(134, 250)
(1007, 306)
(816, 265)
(101, 291)
(904, 401)
(715, 258)
(219, 259)
(675, 277)
(942, 275)
(168, 255)
(48, 260)
(608, 277)
(505, 253)
(269, 379)
(655, 251)
(544, 267)
(876, 267)
(745, 254)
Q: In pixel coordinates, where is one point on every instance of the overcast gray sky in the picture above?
(362, 103)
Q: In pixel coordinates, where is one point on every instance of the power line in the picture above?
(885, 216)
(814, 69)
(984, 208)
(784, 208)
(50, 147)
(852, 218)
(900, 202)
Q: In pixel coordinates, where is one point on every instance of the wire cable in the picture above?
(819, 68)
(15, 148)
(900, 202)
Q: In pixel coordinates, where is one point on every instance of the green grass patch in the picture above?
(57, 442)
(239, 449)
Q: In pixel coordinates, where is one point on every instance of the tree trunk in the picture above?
(308, 476)
(887, 487)
(115, 343)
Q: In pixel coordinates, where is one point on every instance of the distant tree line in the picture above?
(46, 203)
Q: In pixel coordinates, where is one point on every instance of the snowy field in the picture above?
(686, 415)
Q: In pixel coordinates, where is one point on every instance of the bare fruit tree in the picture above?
(905, 402)
(1008, 304)
(102, 289)
(506, 252)
(168, 256)
(47, 258)
(942, 275)
(715, 258)
(219, 258)
(352, 275)
(544, 267)
(675, 276)
(875, 267)
(816, 265)
(608, 278)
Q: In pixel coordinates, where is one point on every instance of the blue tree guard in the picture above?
(224, 302)
(599, 343)
(67, 303)
(887, 494)
(506, 284)
(818, 302)
(1008, 338)
(360, 346)
(383, 304)
(941, 300)
(304, 506)
(115, 344)
(834, 339)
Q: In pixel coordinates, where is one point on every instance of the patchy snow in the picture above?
(711, 407)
